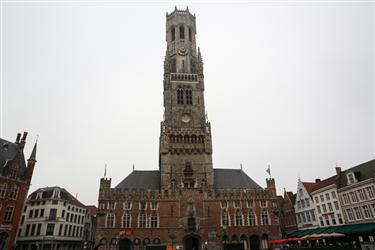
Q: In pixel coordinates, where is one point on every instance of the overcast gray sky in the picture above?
(288, 84)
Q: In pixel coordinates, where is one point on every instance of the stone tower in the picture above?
(185, 137)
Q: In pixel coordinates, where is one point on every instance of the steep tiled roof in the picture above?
(233, 178)
(326, 182)
(309, 186)
(362, 172)
(8, 151)
(145, 179)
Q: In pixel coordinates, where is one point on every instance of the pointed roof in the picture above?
(326, 182)
(33, 153)
(233, 178)
(309, 186)
(141, 179)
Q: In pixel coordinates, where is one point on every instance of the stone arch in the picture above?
(192, 242)
(125, 244)
(234, 238)
(254, 242)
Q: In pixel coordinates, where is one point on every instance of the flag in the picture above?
(268, 170)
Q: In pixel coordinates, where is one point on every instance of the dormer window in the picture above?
(351, 178)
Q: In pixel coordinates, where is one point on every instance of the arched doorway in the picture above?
(254, 242)
(192, 242)
(124, 244)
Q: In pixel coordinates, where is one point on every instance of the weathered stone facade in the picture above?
(187, 203)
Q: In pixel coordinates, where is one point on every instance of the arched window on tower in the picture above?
(110, 222)
(190, 35)
(126, 220)
(189, 96)
(182, 32)
(252, 218)
(239, 219)
(173, 34)
(180, 96)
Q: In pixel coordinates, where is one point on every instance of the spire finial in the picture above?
(33, 153)
(241, 166)
(133, 167)
(105, 170)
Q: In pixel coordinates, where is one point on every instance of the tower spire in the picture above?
(33, 153)
(105, 170)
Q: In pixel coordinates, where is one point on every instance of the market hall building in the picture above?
(186, 203)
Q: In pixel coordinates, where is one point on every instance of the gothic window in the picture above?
(50, 229)
(110, 221)
(224, 204)
(182, 32)
(173, 184)
(201, 139)
(190, 35)
(225, 219)
(172, 139)
(239, 221)
(194, 139)
(189, 96)
(173, 34)
(180, 96)
(264, 242)
(142, 220)
(237, 204)
(264, 217)
(154, 221)
(8, 213)
(127, 220)
(127, 205)
(3, 188)
(252, 218)
(13, 192)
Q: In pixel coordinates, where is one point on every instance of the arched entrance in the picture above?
(192, 242)
(124, 244)
(254, 242)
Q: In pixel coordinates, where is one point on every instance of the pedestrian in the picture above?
(100, 246)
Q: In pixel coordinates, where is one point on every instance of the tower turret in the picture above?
(185, 138)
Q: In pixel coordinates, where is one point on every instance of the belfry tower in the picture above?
(185, 154)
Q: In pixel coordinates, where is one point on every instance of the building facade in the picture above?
(304, 206)
(52, 219)
(287, 214)
(15, 179)
(186, 202)
(326, 199)
(356, 191)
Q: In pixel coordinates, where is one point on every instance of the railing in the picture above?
(184, 77)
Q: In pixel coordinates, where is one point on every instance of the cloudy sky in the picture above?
(290, 84)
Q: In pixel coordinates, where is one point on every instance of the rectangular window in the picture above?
(318, 208)
(52, 214)
(111, 205)
(60, 229)
(333, 193)
(358, 213)
(50, 229)
(321, 198)
(361, 195)
(41, 212)
(313, 216)
(250, 204)
(22, 219)
(33, 229)
(31, 213)
(324, 208)
(307, 202)
(62, 213)
(127, 205)
(333, 219)
(330, 207)
(263, 204)
(38, 229)
(303, 203)
(8, 213)
(370, 192)
(27, 229)
(336, 203)
(366, 212)
(353, 196)
(339, 216)
(154, 221)
(316, 199)
(349, 214)
(327, 196)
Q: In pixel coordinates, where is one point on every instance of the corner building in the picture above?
(186, 203)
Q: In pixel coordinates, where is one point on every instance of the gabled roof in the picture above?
(233, 178)
(326, 182)
(309, 186)
(141, 179)
(362, 172)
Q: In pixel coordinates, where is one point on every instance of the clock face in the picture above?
(185, 118)
(182, 51)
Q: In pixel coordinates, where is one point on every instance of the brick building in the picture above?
(15, 178)
(287, 214)
(186, 202)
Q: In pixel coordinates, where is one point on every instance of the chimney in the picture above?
(23, 140)
(18, 138)
(317, 180)
(338, 170)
